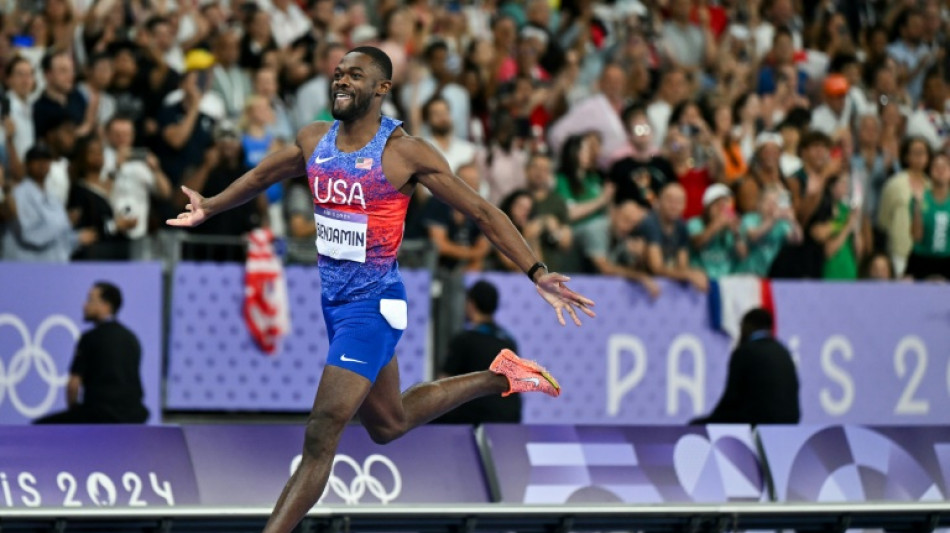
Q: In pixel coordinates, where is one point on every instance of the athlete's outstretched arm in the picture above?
(286, 163)
(427, 166)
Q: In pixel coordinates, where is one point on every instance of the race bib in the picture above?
(341, 235)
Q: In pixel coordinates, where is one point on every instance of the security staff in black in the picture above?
(473, 350)
(105, 367)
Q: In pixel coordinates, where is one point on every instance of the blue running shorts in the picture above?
(363, 334)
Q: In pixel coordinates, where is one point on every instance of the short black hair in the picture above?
(14, 62)
(814, 137)
(434, 46)
(110, 294)
(841, 61)
(758, 319)
(484, 296)
(47, 62)
(156, 21)
(635, 108)
(427, 107)
(905, 149)
(380, 59)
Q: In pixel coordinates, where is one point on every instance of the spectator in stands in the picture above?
(186, 131)
(791, 130)
(105, 367)
(878, 267)
(690, 149)
(728, 144)
(230, 81)
(95, 88)
(433, 76)
(223, 163)
(437, 119)
(764, 172)
(930, 224)
(457, 239)
(932, 120)
(894, 214)
(667, 239)
(779, 63)
(60, 139)
(582, 187)
(503, 161)
(674, 89)
(551, 210)
(762, 384)
(161, 37)
(767, 230)
(39, 228)
(833, 118)
(90, 205)
(870, 164)
(837, 225)
(807, 186)
(519, 206)
(640, 175)
(258, 40)
(288, 22)
(910, 52)
(717, 244)
(137, 177)
(312, 97)
(61, 97)
(689, 46)
(620, 252)
(473, 349)
(17, 113)
(266, 86)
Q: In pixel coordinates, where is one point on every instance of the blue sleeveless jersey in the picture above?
(359, 217)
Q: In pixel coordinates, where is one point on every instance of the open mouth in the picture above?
(342, 97)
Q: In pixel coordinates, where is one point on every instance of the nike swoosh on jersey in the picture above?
(346, 359)
(324, 159)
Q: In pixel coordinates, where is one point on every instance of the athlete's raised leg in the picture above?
(387, 414)
(339, 395)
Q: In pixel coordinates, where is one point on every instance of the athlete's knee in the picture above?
(386, 433)
(322, 431)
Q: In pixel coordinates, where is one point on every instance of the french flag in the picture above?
(731, 297)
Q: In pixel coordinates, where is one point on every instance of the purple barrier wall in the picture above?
(867, 353)
(580, 464)
(851, 463)
(214, 364)
(249, 465)
(95, 466)
(41, 320)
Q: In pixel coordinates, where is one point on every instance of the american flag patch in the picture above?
(364, 163)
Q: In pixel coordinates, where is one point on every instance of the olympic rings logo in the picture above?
(33, 354)
(363, 479)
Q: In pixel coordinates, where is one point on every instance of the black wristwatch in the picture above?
(534, 268)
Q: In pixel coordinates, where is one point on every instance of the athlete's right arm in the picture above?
(289, 162)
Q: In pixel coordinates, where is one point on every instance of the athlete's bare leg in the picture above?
(339, 395)
(387, 414)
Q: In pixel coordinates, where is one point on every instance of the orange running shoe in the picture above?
(524, 375)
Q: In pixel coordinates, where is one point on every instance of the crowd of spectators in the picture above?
(685, 139)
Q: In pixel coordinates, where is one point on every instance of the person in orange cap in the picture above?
(834, 115)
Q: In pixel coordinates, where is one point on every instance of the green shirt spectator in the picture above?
(935, 218)
(717, 258)
(842, 264)
(762, 251)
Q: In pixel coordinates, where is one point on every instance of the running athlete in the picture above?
(362, 168)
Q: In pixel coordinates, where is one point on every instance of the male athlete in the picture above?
(362, 169)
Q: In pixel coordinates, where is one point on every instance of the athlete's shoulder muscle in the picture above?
(309, 136)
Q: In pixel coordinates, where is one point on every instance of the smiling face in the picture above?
(356, 83)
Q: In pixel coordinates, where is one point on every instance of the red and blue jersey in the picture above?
(359, 217)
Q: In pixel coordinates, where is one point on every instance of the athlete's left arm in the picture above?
(427, 167)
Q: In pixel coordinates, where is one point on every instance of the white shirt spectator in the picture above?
(789, 164)
(685, 43)
(658, 113)
(457, 97)
(134, 183)
(21, 112)
(288, 26)
(932, 125)
(764, 35)
(825, 120)
(312, 100)
(910, 58)
(460, 152)
(57, 181)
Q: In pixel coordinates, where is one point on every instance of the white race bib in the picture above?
(341, 235)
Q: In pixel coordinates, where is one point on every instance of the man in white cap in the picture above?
(717, 245)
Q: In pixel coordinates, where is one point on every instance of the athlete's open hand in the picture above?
(193, 214)
(551, 287)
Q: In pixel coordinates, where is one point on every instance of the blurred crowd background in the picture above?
(686, 139)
